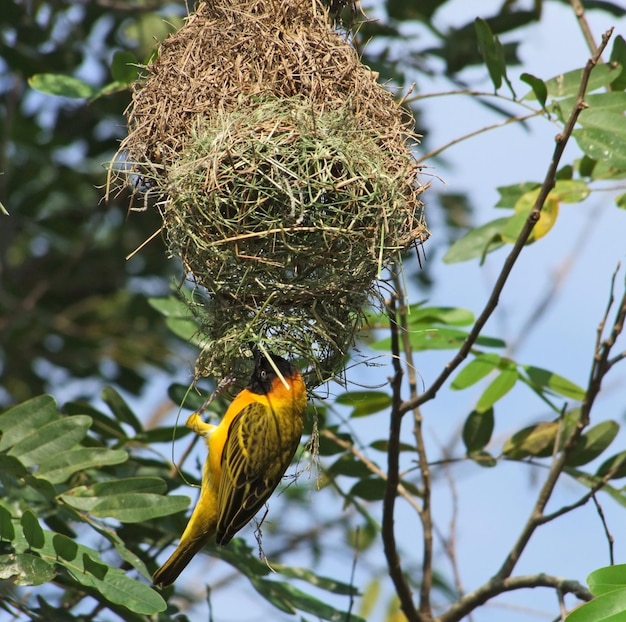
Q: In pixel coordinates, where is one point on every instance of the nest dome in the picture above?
(284, 175)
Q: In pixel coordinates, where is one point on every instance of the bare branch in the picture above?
(546, 518)
(422, 459)
(579, 11)
(601, 363)
(609, 536)
(450, 541)
(496, 586)
(393, 478)
(486, 128)
(374, 468)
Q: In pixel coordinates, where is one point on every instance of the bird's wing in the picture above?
(254, 459)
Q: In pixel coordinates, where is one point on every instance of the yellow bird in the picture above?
(249, 452)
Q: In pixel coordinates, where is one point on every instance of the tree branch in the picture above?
(393, 478)
(548, 183)
(579, 11)
(609, 537)
(486, 128)
(422, 459)
(374, 468)
(496, 586)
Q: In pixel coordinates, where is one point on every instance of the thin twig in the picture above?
(374, 468)
(353, 591)
(579, 11)
(609, 536)
(450, 541)
(393, 478)
(486, 128)
(496, 586)
(601, 364)
(547, 518)
(422, 456)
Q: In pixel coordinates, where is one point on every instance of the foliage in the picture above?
(83, 509)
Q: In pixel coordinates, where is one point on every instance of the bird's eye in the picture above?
(263, 374)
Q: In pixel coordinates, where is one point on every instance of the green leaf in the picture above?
(618, 55)
(514, 226)
(58, 468)
(475, 371)
(612, 101)
(510, 195)
(19, 422)
(369, 489)
(620, 201)
(535, 440)
(272, 593)
(66, 548)
(32, 530)
(477, 242)
(190, 399)
(593, 442)
(592, 481)
(11, 466)
(103, 425)
(607, 579)
(163, 435)
(497, 389)
(451, 316)
(383, 445)
(328, 447)
(483, 458)
(323, 583)
(610, 607)
(477, 430)
(61, 85)
(136, 508)
(124, 67)
(288, 598)
(7, 532)
(543, 378)
(171, 307)
(137, 485)
(602, 145)
(568, 84)
(616, 465)
(349, 466)
(120, 408)
(570, 190)
(490, 51)
(609, 120)
(439, 339)
(187, 330)
(32, 570)
(565, 173)
(540, 90)
(115, 586)
(51, 439)
(365, 402)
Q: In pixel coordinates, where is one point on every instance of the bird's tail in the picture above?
(177, 562)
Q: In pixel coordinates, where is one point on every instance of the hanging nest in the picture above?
(284, 175)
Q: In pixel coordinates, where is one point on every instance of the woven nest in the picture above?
(283, 173)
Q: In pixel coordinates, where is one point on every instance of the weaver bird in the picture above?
(249, 451)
